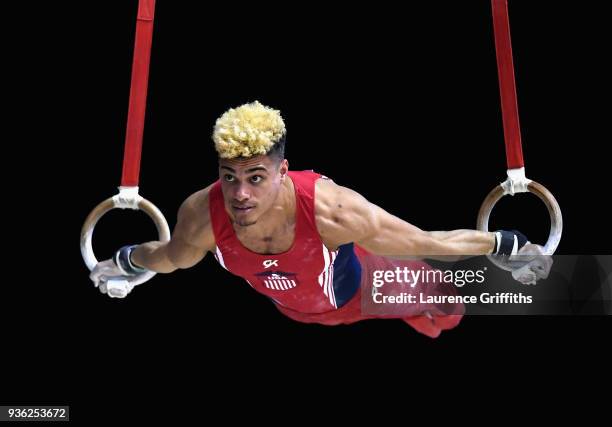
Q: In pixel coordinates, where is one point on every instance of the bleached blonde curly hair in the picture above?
(249, 130)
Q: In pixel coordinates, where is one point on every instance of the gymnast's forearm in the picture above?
(153, 256)
(461, 244)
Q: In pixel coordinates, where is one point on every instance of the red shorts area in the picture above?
(428, 319)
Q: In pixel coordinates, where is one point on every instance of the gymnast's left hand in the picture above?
(537, 265)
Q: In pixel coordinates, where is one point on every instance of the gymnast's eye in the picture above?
(229, 178)
(256, 179)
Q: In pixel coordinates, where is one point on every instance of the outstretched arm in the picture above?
(191, 239)
(344, 216)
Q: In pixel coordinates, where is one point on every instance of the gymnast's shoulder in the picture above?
(193, 217)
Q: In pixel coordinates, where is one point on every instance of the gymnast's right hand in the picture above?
(105, 270)
(111, 276)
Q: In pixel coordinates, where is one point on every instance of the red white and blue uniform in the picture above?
(308, 282)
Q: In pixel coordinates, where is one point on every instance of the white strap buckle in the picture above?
(128, 198)
(516, 182)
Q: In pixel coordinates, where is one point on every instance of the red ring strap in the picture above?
(140, 77)
(138, 93)
(507, 87)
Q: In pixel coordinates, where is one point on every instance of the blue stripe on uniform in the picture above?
(347, 274)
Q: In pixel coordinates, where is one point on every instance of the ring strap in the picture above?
(138, 93)
(507, 87)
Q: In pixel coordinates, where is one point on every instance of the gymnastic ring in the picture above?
(107, 205)
(556, 221)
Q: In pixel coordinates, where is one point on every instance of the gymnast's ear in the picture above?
(283, 168)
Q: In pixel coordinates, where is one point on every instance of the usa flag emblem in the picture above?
(278, 280)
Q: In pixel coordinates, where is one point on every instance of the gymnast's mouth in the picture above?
(243, 209)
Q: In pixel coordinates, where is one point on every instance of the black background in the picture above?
(400, 103)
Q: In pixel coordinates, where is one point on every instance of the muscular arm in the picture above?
(191, 239)
(344, 216)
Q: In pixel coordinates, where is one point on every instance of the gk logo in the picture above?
(270, 262)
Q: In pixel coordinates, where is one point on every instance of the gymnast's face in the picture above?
(250, 186)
